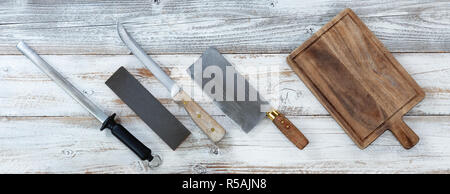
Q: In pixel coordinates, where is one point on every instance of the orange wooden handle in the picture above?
(288, 129)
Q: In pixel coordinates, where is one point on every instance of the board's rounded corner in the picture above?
(290, 59)
(421, 95)
(348, 10)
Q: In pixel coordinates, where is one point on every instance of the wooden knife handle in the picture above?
(204, 121)
(288, 129)
(403, 133)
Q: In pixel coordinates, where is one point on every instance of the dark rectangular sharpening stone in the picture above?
(148, 108)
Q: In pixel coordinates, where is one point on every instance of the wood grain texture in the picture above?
(204, 121)
(65, 138)
(289, 130)
(74, 145)
(26, 91)
(357, 80)
(44, 131)
(235, 26)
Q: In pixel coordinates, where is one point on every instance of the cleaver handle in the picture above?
(288, 129)
(204, 121)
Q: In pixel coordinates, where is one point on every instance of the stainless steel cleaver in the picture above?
(204, 121)
(233, 94)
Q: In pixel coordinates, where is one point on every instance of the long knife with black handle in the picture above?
(204, 121)
(117, 130)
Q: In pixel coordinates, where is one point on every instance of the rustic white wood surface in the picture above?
(42, 130)
(190, 26)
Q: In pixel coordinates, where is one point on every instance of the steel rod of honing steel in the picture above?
(204, 121)
(117, 130)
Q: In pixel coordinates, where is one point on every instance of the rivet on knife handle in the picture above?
(204, 121)
(107, 122)
(288, 129)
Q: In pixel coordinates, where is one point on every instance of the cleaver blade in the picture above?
(247, 111)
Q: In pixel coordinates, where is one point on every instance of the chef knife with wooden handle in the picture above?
(236, 103)
(204, 121)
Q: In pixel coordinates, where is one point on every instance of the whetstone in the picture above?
(148, 108)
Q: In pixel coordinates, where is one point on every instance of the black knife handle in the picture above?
(127, 138)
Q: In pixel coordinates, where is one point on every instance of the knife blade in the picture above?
(238, 105)
(148, 108)
(204, 121)
(142, 151)
(245, 112)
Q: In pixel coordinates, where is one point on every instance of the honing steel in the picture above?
(204, 121)
(148, 108)
(245, 112)
(117, 130)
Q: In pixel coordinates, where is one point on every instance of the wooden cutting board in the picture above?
(358, 80)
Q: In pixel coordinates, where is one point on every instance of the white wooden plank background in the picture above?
(190, 26)
(42, 130)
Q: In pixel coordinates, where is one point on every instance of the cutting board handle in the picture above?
(404, 134)
(288, 129)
